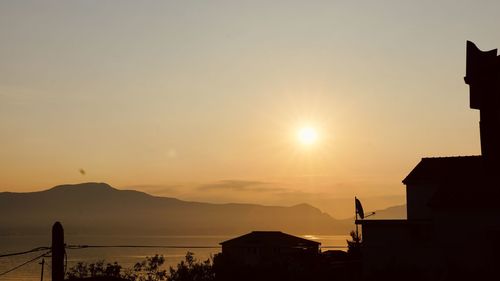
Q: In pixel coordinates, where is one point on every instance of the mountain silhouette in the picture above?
(98, 208)
(393, 212)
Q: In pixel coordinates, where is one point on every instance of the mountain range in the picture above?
(98, 208)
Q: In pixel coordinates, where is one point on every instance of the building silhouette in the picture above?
(267, 247)
(270, 255)
(453, 222)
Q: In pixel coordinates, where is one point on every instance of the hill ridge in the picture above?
(99, 207)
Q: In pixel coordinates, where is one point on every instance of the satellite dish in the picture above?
(359, 208)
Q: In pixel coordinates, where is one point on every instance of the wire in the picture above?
(23, 264)
(73, 247)
(25, 252)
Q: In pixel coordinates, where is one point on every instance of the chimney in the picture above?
(483, 78)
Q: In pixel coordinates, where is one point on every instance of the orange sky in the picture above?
(203, 100)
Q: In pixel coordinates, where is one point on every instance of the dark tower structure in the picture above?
(57, 252)
(483, 78)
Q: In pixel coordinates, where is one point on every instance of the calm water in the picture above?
(126, 257)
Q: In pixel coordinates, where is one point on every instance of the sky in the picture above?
(203, 100)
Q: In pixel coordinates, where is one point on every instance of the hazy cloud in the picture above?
(241, 185)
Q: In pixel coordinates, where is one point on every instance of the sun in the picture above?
(307, 135)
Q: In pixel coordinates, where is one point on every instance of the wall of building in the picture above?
(258, 254)
(468, 237)
(417, 196)
(400, 248)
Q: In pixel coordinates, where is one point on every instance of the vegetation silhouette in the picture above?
(150, 269)
(95, 271)
(354, 245)
(192, 270)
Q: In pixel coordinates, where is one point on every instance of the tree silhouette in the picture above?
(354, 245)
(149, 269)
(192, 270)
(95, 270)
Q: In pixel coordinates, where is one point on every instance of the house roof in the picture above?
(269, 238)
(443, 170)
(462, 182)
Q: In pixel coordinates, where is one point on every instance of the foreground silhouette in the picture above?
(149, 269)
(259, 255)
(451, 202)
(221, 268)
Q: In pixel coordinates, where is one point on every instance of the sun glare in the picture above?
(307, 135)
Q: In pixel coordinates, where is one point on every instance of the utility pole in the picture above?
(356, 216)
(57, 252)
(42, 263)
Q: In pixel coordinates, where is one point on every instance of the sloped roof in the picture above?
(462, 182)
(269, 238)
(446, 170)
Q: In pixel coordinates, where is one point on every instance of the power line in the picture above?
(73, 247)
(23, 264)
(25, 252)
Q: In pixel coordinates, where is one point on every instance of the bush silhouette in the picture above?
(149, 269)
(192, 270)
